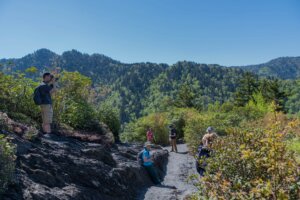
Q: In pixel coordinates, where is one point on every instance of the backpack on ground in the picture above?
(140, 157)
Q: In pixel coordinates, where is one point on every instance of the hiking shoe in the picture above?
(41, 133)
(47, 135)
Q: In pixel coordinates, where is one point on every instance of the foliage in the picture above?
(283, 68)
(294, 145)
(273, 92)
(7, 164)
(79, 114)
(110, 116)
(136, 131)
(145, 88)
(71, 101)
(248, 86)
(251, 164)
(16, 95)
(293, 102)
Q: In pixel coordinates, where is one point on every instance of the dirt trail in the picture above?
(175, 185)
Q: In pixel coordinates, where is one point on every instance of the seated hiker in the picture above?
(204, 150)
(209, 137)
(148, 163)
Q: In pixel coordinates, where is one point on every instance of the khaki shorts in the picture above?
(47, 113)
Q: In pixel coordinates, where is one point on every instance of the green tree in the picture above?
(248, 85)
(110, 115)
(31, 71)
(185, 96)
(271, 90)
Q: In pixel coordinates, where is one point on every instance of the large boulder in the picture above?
(60, 167)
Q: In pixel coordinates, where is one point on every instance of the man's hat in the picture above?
(147, 144)
(209, 129)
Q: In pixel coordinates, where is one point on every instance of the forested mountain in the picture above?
(282, 68)
(142, 88)
(98, 66)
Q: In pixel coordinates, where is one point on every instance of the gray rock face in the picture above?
(57, 167)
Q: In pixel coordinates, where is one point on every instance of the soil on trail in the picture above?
(180, 167)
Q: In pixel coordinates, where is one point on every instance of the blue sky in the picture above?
(226, 32)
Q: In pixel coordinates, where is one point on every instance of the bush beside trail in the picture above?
(7, 164)
(251, 164)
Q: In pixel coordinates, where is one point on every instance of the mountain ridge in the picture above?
(48, 51)
(141, 88)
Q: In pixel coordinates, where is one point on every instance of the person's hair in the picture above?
(46, 74)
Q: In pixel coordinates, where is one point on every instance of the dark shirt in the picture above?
(203, 152)
(45, 94)
(172, 133)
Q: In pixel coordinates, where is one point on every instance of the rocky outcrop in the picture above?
(59, 167)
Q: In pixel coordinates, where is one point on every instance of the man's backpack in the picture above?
(37, 96)
(140, 158)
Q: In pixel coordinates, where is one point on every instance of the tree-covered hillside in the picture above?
(282, 68)
(142, 88)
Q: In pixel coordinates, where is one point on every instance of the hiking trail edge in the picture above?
(175, 185)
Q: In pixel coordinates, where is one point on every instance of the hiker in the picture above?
(204, 150)
(172, 135)
(42, 97)
(150, 135)
(208, 137)
(148, 163)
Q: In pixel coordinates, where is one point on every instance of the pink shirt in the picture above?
(149, 135)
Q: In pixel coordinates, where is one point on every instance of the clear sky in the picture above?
(226, 32)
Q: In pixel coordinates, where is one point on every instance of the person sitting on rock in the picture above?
(149, 164)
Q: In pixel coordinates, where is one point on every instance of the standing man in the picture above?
(172, 135)
(42, 97)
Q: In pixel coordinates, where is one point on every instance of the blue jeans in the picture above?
(152, 172)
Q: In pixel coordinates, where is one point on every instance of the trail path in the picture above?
(180, 166)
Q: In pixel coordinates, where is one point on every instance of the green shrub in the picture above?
(111, 117)
(72, 104)
(250, 164)
(80, 115)
(16, 95)
(136, 131)
(22, 118)
(7, 164)
(294, 145)
(195, 128)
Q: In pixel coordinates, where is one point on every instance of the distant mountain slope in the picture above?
(146, 87)
(283, 68)
(97, 66)
(105, 69)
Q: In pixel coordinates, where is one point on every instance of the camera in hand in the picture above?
(55, 78)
